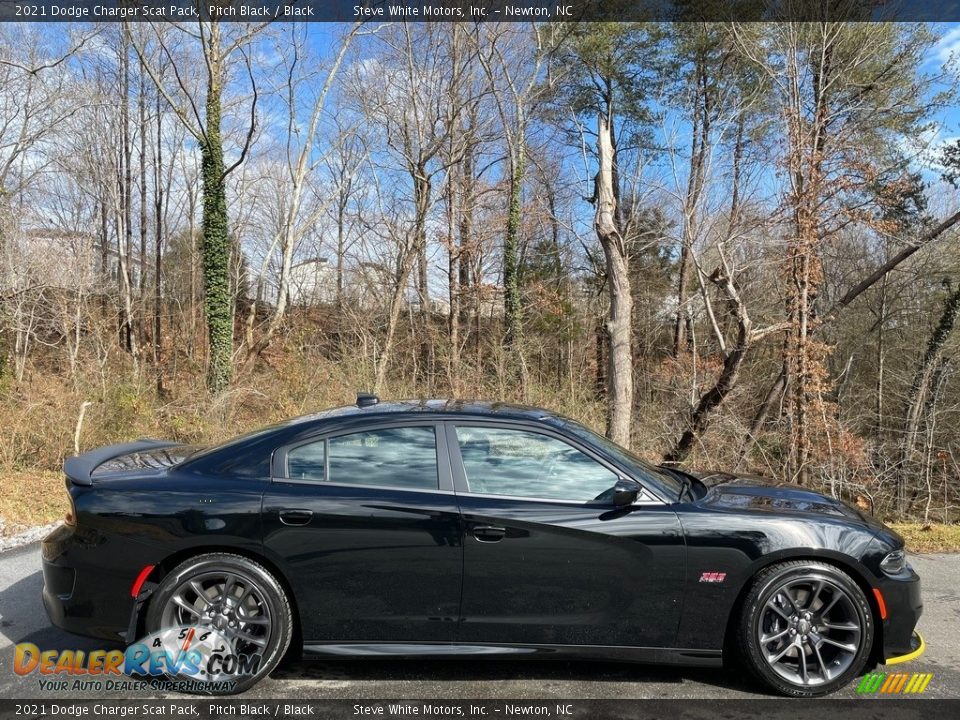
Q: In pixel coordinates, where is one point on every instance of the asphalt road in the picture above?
(23, 619)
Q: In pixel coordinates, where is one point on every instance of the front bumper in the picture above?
(919, 648)
(83, 600)
(904, 607)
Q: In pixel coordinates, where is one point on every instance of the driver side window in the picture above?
(500, 461)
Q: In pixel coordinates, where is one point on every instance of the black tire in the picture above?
(822, 668)
(269, 591)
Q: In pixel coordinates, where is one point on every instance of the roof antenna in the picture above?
(366, 399)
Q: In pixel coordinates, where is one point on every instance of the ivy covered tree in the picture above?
(219, 49)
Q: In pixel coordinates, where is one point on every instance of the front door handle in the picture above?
(489, 533)
(295, 516)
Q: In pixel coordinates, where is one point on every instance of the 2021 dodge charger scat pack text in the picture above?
(438, 528)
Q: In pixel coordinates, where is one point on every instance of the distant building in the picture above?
(69, 259)
(436, 306)
(312, 282)
(60, 259)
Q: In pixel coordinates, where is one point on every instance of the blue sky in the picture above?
(947, 49)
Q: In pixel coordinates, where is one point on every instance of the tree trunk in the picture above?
(216, 240)
(600, 357)
(465, 230)
(699, 144)
(192, 231)
(620, 374)
(807, 143)
(921, 389)
(800, 363)
(680, 341)
(881, 358)
(393, 317)
(421, 193)
(937, 382)
(125, 238)
(453, 287)
(158, 254)
(341, 251)
(732, 363)
(513, 327)
(104, 241)
(142, 107)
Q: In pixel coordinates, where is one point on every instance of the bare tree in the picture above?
(407, 105)
(619, 323)
(299, 163)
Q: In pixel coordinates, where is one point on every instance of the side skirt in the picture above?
(620, 653)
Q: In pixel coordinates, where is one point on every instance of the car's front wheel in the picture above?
(224, 597)
(805, 628)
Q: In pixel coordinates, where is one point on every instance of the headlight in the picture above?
(894, 563)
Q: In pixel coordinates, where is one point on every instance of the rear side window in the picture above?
(404, 457)
(307, 462)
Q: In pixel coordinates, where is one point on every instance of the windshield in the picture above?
(668, 483)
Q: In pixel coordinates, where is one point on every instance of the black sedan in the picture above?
(437, 528)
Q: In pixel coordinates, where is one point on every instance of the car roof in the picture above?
(251, 448)
(433, 407)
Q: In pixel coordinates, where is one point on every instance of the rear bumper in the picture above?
(904, 608)
(80, 600)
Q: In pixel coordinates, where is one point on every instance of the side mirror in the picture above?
(625, 492)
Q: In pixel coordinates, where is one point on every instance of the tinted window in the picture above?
(395, 457)
(660, 477)
(306, 462)
(527, 464)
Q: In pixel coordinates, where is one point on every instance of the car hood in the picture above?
(753, 492)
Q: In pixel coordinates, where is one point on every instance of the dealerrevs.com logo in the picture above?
(185, 659)
(894, 683)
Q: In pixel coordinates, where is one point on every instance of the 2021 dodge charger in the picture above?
(436, 528)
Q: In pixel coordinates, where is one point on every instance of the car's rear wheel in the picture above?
(236, 598)
(806, 628)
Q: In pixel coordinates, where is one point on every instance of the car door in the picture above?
(367, 525)
(546, 563)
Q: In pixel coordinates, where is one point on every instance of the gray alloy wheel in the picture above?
(806, 628)
(233, 595)
(230, 602)
(809, 631)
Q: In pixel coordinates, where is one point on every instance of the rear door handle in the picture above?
(489, 533)
(295, 516)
